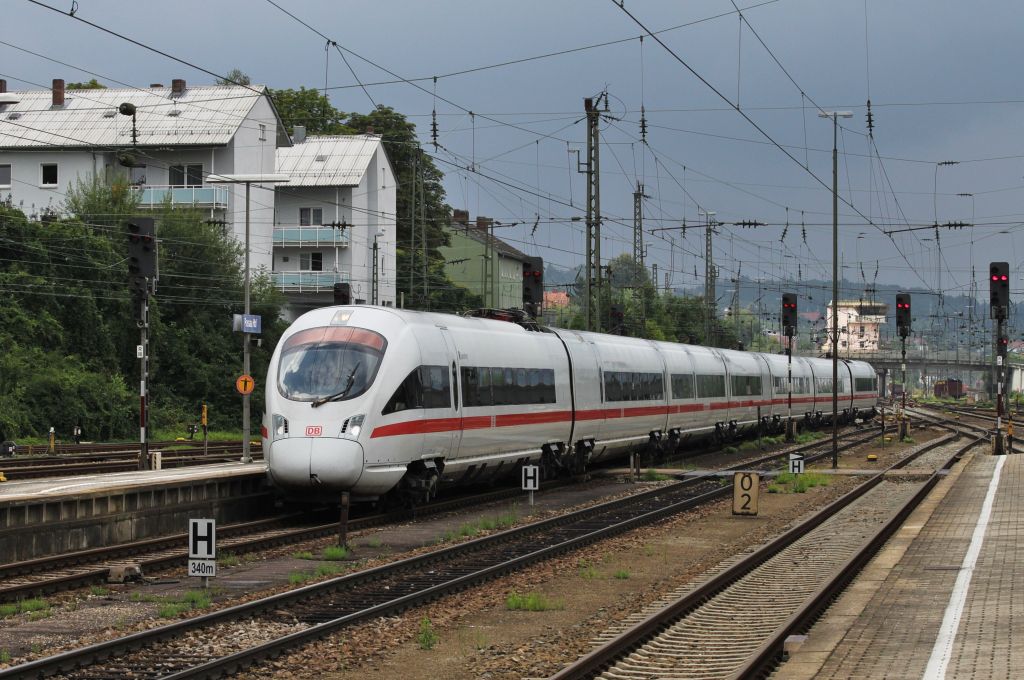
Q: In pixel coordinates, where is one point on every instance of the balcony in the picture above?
(307, 281)
(315, 237)
(192, 197)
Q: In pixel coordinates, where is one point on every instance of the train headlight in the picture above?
(353, 427)
(280, 426)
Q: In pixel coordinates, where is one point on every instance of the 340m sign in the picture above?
(202, 567)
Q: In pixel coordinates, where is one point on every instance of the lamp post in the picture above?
(835, 116)
(248, 180)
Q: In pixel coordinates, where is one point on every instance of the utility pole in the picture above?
(423, 235)
(709, 280)
(592, 300)
(375, 285)
(638, 230)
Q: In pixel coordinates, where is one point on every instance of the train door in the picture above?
(442, 438)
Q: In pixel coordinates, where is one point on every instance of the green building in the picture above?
(484, 264)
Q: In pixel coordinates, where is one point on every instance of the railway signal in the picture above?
(618, 319)
(903, 321)
(999, 287)
(342, 294)
(1002, 345)
(533, 285)
(789, 316)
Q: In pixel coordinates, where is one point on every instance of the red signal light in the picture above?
(1004, 277)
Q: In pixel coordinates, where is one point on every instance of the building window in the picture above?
(137, 175)
(311, 217)
(5, 176)
(263, 132)
(49, 174)
(185, 175)
(311, 262)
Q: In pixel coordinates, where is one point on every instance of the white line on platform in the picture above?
(943, 649)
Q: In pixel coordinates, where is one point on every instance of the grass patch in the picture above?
(229, 560)
(808, 437)
(5, 656)
(588, 571)
(532, 602)
(33, 605)
(8, 610)
(375, 542)
(730, 449)
(335, 552)
(329, 570)
(470, 529)
(907, 440)
(98, 591)
(621, 574)
(426, 638)
(748, 446)
(297, 578)
(772, 440)
(787, 482)
(172, 610)
(654, 476)
(303, 555)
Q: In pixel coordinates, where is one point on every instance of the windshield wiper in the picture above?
(339, 395)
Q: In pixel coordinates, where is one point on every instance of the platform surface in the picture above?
(108, 482)
(944, 598)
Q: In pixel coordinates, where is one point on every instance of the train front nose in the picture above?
(320, 464)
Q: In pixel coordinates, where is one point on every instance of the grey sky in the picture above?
(945, 84)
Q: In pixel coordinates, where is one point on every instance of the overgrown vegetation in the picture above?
(654, 476)
(426, 637)
(69, 332)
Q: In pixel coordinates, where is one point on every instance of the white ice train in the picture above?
(377, 401)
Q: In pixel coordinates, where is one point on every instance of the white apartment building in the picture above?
(340, 202)
(178, 136)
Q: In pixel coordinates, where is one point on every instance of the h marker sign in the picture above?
(202, 547)
(531, 479)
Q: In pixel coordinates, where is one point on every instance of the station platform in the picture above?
(944, 598)
(49, 516)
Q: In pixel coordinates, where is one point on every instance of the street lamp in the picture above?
(835, 116)
(248, 180)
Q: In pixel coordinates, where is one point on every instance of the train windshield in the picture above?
(333, 363)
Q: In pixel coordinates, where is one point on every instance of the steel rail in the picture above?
(693, 492)
(600, 659)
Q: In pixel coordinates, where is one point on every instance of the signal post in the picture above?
(999, 291)
(903, 325)
(142, 275)
(789, 323)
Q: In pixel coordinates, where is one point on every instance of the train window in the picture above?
(864, 384)
(710, 386)
(425, 387)
(470, 379)
(628, 386)
(746, 385)
(331, 363)
(682, 386)
(507, 386)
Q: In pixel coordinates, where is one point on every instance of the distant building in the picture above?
(482, 263)
(860, 324)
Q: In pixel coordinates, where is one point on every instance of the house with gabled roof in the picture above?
(335, 221)
(168, 141)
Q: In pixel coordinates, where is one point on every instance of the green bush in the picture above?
(533, 602)
(426, 638)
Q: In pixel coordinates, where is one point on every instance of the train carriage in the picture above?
(376, 401)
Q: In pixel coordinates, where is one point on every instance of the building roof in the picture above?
(328, 160)
(207, 115)
(556, 299)
(480, 235)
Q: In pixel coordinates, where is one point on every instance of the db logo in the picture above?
(314, 430)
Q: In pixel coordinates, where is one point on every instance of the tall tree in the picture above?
(92, 84)
(235, 76)
(311, 108)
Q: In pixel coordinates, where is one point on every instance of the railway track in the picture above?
(734, 624)
(38, 467)
(186, 648)
(79, 569)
